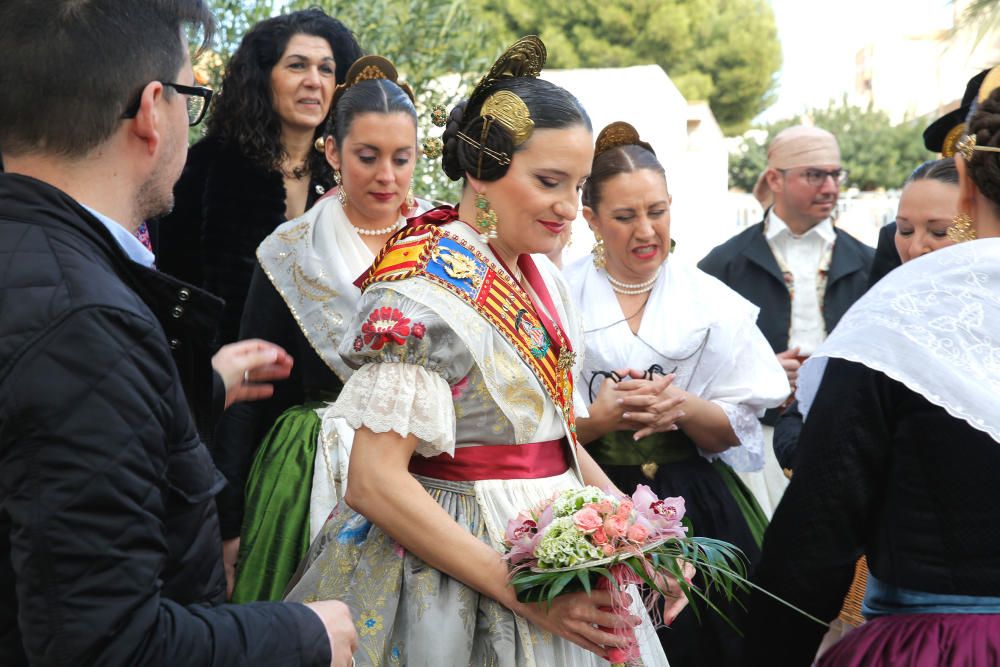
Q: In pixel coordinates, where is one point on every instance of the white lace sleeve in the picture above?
(401, 397)
(749, 455)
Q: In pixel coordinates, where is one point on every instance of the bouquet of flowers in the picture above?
(588, 538)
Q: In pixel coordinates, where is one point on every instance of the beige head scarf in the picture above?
(799, 146)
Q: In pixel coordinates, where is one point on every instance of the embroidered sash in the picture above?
(446, 260)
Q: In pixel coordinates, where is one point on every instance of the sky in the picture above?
(819, 40)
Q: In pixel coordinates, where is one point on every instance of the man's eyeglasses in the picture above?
(198, 98)
(817, 177)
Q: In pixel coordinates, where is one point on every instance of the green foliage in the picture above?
(439, 47)
(982, 17)
(723, 51)
(877, 154)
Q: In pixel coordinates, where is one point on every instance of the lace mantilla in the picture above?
(404, 398)
(933, 325)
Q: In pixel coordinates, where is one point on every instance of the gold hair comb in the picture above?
(371, 68)
(618, 134)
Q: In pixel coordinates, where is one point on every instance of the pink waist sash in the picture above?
(529, 461)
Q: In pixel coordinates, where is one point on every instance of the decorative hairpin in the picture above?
(967, 146)
(433, 147)
(618, 134)
(525, 58)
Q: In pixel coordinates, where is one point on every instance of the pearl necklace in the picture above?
(378, 232)
(631, 289)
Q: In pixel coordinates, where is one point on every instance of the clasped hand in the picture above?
(646, 406)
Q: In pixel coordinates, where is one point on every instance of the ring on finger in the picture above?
(246, 376)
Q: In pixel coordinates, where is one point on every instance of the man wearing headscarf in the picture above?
(795, 265)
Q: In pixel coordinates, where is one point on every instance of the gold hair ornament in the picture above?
(510, 111)
(990, 83)
(950, 143)
(432, 148)
(618, 134)
(371, 68)
(966, 147)
(525, 58)
(439, 115)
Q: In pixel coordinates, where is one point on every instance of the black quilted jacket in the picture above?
(110, 551)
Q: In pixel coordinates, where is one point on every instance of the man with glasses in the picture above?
(795, 265)
(110, 551)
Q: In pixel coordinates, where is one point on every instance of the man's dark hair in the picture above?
(243, 111)
(72, 67)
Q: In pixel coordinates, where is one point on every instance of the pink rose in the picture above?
(625, 508)
(607, 549)
(599, 537)
(587, 520)
(637, 533)
(603, 507)
(615, 526)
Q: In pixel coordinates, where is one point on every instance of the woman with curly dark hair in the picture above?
(257, 166)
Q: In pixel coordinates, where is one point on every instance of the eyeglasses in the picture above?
(198, 98)
(817, 177)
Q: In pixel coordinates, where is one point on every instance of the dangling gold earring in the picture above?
(409, 204)
(341, 195)
(486, 218)
(600, 259)
(961, 229)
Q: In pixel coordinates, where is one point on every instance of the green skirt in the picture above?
(275, 532)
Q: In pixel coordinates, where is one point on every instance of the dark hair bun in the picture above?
(985, 165)
(462, 157)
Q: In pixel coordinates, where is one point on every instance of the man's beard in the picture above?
(155, 198)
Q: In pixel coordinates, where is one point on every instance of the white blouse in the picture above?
(695, 327)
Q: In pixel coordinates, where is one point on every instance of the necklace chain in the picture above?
(631, 289)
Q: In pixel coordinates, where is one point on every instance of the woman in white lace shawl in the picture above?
(899, 455)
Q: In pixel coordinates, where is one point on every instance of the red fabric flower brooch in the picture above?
(387, 325)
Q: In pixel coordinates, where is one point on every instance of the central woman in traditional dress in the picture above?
(463, 401)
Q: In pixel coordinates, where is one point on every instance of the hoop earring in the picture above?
(600, 257)
(961, 229)
(341, 195)
(486, 218)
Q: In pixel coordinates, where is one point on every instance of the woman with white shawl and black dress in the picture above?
(900, 453)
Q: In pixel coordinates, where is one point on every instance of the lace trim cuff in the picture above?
(749, 456)
(404, 398)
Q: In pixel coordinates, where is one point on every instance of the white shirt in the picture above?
(802, 255)
(132, 246)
